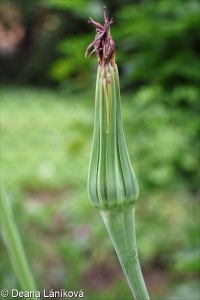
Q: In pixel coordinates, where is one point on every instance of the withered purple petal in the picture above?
(103, 44)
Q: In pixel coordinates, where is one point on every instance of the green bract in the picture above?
(111, 182)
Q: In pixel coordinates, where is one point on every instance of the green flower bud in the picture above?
(112, 182)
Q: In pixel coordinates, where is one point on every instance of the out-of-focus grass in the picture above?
(45, 149)
(41, 132)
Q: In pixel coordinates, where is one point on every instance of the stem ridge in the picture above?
(121, 228)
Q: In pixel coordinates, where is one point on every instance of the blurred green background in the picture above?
(47, 114)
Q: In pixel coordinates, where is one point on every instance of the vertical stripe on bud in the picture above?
(111, 182)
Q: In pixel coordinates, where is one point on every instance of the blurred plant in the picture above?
(112, 184)
(14, 245)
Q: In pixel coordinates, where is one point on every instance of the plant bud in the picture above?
(111, 182)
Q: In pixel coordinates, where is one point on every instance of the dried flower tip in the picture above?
(103, 44)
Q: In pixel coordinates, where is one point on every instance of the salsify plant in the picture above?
(112, 184)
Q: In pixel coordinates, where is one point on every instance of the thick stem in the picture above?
(14, 245)
(121, 227)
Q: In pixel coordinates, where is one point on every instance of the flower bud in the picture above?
(111, 182)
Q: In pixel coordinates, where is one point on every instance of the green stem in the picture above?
(121, 227)
(14, 245)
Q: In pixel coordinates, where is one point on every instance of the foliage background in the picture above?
(47, 112)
